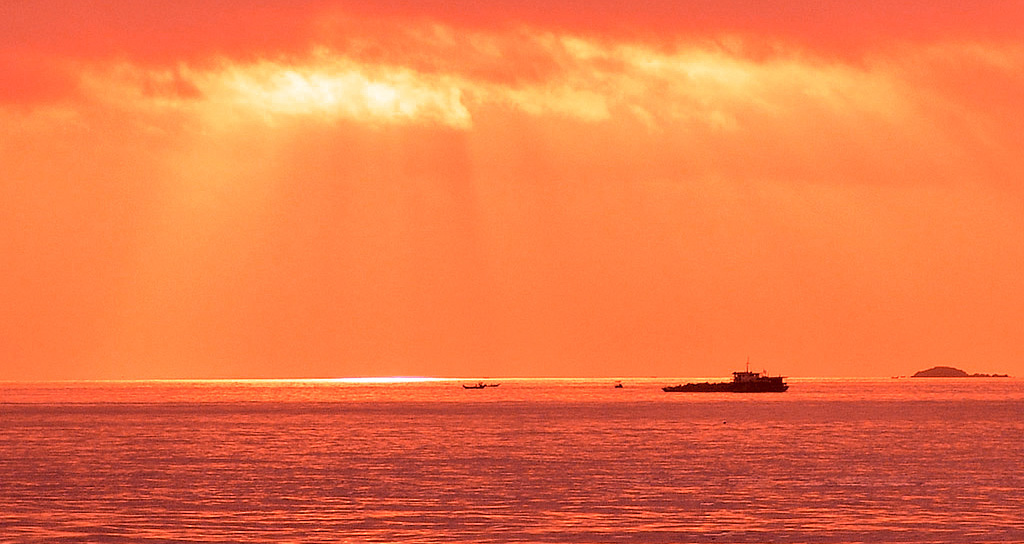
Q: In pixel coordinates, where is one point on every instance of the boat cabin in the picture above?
(747, 376)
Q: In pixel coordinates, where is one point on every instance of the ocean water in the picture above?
(908, 460)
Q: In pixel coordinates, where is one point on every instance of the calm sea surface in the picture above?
(908, 460)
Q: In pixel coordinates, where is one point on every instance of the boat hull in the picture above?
(765, 385)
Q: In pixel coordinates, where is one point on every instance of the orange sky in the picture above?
(281, 189)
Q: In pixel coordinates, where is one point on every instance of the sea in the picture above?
(532, 460)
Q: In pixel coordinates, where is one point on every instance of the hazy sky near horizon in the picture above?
(273, 188)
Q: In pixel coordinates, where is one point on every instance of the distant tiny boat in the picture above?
(618, 385)
(480, 385)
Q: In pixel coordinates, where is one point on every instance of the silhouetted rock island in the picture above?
(950, 372)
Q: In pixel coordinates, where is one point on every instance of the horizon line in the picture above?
(409, 379)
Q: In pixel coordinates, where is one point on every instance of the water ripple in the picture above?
(578, 463)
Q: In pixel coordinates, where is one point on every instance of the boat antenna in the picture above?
(748, 363)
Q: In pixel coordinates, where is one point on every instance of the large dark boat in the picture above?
(480, 385)
(742, 382)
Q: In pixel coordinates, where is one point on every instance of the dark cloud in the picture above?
(172, 30)
(46, 40)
